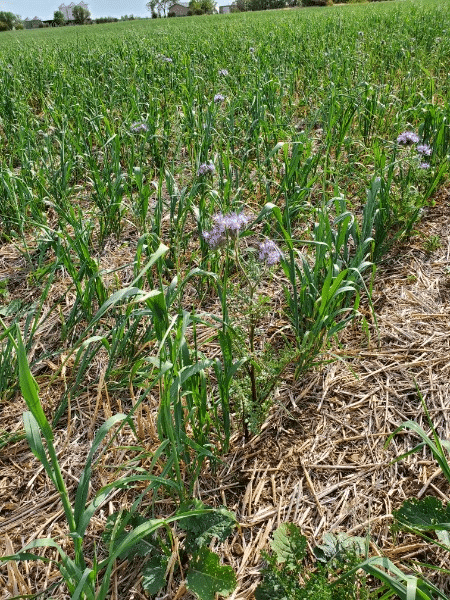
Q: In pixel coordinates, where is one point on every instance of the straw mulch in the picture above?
(320, 460)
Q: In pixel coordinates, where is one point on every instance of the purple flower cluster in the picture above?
(219, 98)
(269, 252)
(167, 59)
(424, 165)
(206, 169)
(139, 127)
(225, 225)
(424, 149)
(223, 72)
(407, 138)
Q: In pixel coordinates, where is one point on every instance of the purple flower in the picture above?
(139, 127)
(407, 138)
(424, 149)
(424, 165)
(269, 252)
(219, 98)
(251, 50)
(167, 59)
(205, 169)
(223, 72)
(225, 225)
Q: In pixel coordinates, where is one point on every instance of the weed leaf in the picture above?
(289, 545)
(154, 574)
(206, 577)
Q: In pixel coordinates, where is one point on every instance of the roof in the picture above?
(183, 4)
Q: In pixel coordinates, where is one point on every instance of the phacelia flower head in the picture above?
(167, 59)
(139, 127)
(407, 138)
(424, 149)
(219, 98)
(251, 50)
(269, 252)
(206, 169)
(225, 226)
(424, 165)
(223, 72)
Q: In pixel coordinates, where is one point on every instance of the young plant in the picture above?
(205, 577)
(287, 577)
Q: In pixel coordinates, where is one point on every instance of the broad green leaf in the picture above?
(206, 577)
(289, 545)
(337, 546)
(425, 514)
(154, 574)
(201, 529)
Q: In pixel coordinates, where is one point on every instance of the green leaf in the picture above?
(289, 545)
(154, 574)
(35, 442)
(201, 529)
(29, 389)
(81, 515)
(337, 546)
(114, 532)
(426, 514)
(206, 577)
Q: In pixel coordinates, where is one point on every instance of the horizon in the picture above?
(44, 9)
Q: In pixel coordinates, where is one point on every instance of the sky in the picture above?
(44, 9)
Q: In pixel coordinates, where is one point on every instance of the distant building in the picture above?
(225, 9)
(179, 9)
(35, 22)
(67, 10)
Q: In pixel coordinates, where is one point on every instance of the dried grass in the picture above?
(319, 461)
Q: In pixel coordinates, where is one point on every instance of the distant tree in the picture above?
(201, 7)
(80, 14)
(3, 26)
(208, 6)
(10, 19)
(159, 8)
(242, 5)
(58, 17)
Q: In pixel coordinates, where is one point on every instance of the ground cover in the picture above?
(227, 238)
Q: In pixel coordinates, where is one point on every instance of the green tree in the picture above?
(58, 17)
(10, 19)
(202, 7)
(80, 15)
(151, 6)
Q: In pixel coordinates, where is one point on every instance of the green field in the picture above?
(192, 214)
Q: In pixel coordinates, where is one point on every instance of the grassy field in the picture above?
(192, 215)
